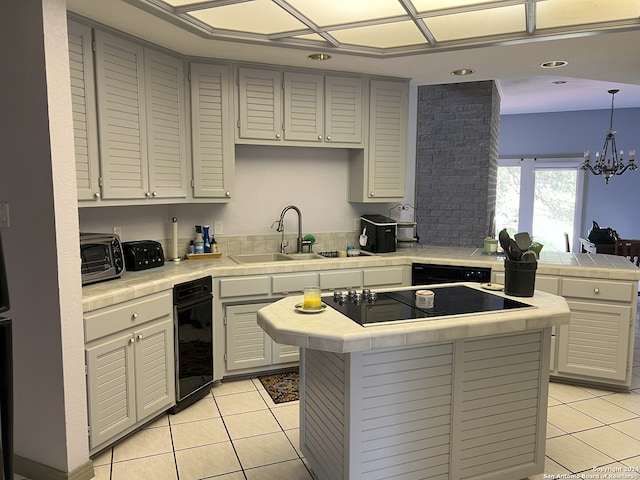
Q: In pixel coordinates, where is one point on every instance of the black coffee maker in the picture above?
(380, 232)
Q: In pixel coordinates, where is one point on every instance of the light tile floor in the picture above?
(238, 433)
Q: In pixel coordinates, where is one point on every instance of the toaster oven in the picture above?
(101, 257)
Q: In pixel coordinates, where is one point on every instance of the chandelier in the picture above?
(613, 165)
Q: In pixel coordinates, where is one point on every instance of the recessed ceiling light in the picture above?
(462, 71)
(554, 64)
(320, 56)
(559, 82)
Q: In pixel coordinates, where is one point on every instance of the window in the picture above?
(542, 196)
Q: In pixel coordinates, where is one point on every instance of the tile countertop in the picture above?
(138, 284)
(333, 332)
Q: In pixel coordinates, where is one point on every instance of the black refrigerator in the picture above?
(6, 378)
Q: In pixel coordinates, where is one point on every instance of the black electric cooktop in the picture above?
(400, 305)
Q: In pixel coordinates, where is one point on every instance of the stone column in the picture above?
(457, 162)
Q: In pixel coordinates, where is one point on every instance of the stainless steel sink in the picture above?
(259, 257)
(273, 257)
(305, 256)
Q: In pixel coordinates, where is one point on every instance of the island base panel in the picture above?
(466, 409)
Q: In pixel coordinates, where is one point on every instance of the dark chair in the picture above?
(629, 249)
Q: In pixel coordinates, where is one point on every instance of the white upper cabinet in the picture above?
(299, 108)
(212, 131)
(146, 130)
(303, 107)
(83, 100)
(343, 106)
(166, 124)
(320, 108)
(121, 117)
(388, 138)
(141, 119)
(260, 104)
(377, 173)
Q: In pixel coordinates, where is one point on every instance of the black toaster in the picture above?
(142, 254)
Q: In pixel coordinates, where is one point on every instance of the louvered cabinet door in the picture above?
(166, 125)
(594, 344)
(155, 369)
(343, 109)
(248, 346)
(121, 117)
(284, 353)
(110, 387)
(303, 107)
(386, 161)
(212, 134)
(260, 103)
(83, 98)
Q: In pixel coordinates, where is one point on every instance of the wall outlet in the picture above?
(217, 228)
(118, 231)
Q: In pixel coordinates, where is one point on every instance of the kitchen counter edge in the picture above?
(333, 332)
(134, 285)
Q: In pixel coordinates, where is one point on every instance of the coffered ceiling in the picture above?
(425, 40)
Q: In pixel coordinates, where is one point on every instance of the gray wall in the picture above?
(457, 162)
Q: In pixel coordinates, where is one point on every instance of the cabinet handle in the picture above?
(277, 135)
(227, 194)
(139, 337)
(319, 137)
(134, 316)
(147, 194)
(372, 194)
(96, 195)
(596, 290)
(131, 340)
(154, 194)
(329, 137)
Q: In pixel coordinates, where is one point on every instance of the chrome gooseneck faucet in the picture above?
(280, 228)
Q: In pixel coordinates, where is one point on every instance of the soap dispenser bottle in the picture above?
(199, 240)
(214, 245)
(207, 240)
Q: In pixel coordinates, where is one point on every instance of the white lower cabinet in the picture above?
(385, 277)
(129, 354)
(596, 347)
(336, 279)
(594, 343)
(598, 342)
(248, 346)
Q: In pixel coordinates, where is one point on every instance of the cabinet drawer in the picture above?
(373, 277)
(548, 284)
(240, 287)
(341, 279)
(598, 289)
(293, 283)
(127, 315)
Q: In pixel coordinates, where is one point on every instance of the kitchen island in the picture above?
(463, 396)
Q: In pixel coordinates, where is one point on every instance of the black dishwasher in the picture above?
(429, 274)
(193, 330)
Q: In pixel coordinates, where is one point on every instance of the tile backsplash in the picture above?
(237, 244)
